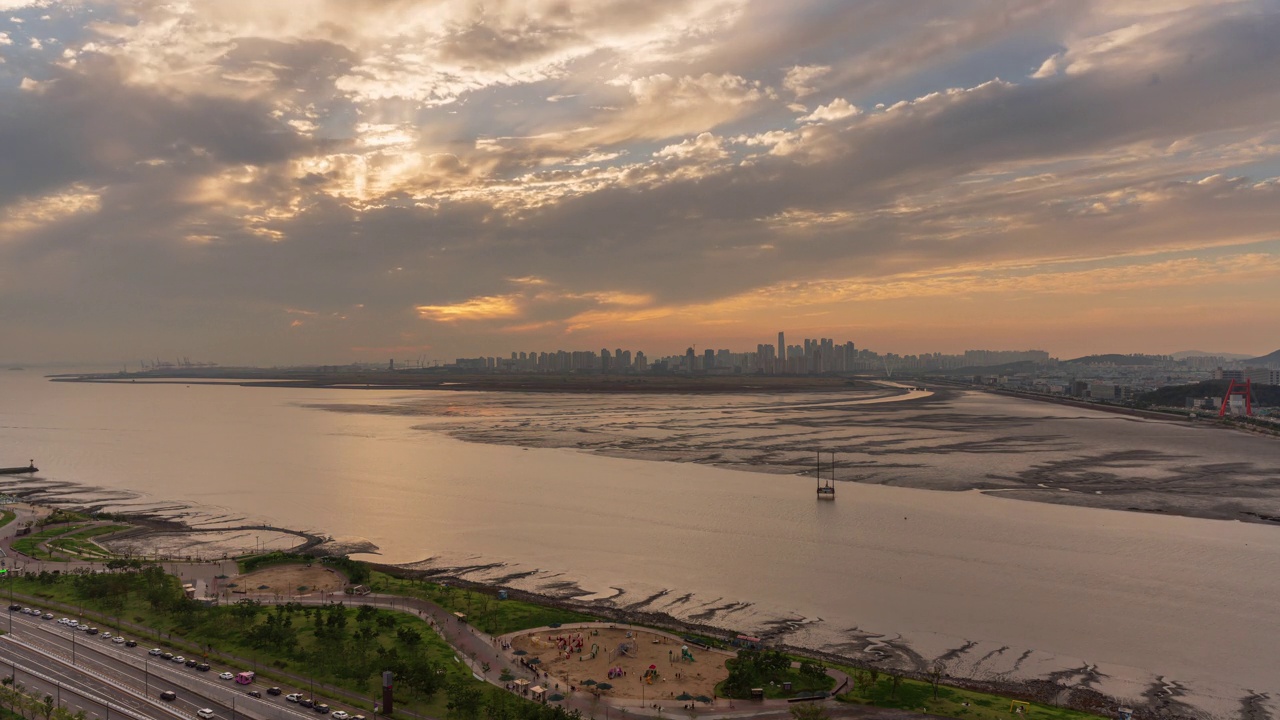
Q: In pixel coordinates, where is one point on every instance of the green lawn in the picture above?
(29, 545)
(916, 695)
(79, 544)
(7, 517)
(483, 610)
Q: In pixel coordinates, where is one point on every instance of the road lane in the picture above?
(150, 675)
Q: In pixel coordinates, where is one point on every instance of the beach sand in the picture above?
(673, 676)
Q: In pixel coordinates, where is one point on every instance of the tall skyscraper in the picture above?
(782, 353)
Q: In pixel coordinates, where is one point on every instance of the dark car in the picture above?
(307, 702)
(273, 691)
(254, 693)
(15, 607)
(167, 656)
(131, 643)
(192, 662)
(203, 667)
(93, 631)
(321, 708)
(168, 695)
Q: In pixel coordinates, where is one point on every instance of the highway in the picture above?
(119, 672)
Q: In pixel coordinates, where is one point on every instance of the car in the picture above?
(106, 636)
(321, 708)
(26, 611)
(117, 640)
(357, 717)
(131, 643)
(169, 695)
(92, 631)
(192, 662)
(254, 693)
(293, 697)
(47, 616)
(204, 713)
(203, 667)
(154, 651)
(224, 675)
(273, 691)
(307, 702)
(341, 715)
(167, 656)
(14, 606)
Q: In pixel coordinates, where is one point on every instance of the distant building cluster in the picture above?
(809, 357)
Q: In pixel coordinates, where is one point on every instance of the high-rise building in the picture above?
(689, 360)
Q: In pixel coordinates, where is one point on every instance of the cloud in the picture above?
(476, 308)
(837, 109)
(442, 173)
(800, 79)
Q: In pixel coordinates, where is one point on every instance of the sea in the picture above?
(1180, 612)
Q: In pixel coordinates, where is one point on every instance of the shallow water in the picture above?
(1116, 599)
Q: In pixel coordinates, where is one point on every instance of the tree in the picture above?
(936, 672)
(808, 711)
(45, 707)
(893, 687)
(465, 699)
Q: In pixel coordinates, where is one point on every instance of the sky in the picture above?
(355, 180)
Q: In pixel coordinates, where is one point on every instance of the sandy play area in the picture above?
(673, 675)
(286, 579)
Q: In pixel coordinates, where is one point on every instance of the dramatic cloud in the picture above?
(321, 179)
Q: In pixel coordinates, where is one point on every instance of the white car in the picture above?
(204, 713)
(226, 675)
(118, 640)
(179, 659)
(154, 651)
(47, 616)
(293, 697)
(106, 636)
(340, 715)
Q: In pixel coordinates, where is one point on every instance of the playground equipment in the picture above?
(628, 649)
(595, 648)
(650, 674)
(685, 655)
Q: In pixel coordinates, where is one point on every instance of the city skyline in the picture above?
(325, 181)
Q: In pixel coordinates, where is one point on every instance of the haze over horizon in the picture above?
(327, 181)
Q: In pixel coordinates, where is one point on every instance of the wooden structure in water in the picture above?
(827, 489)
(31, 468)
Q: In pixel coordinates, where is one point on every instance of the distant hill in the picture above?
(1272, 359)
(1115, 359)
(1184, 354)
(1176, 395)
